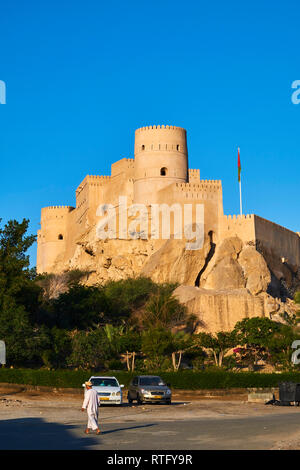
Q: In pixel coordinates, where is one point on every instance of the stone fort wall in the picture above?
(159, 173)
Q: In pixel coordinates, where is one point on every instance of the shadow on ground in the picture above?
(37, 434)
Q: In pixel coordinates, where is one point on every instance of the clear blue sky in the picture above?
(82, 76)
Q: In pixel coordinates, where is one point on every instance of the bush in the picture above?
(115, 364)
(186, 380)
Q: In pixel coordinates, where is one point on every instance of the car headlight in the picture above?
(168, 392)
(118, 394)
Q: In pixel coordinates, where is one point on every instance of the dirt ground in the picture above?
(61, 407)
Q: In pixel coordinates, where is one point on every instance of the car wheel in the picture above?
(130, 400)
(168, 402)
(139, 401)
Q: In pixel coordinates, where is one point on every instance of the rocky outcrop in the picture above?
(235, 266)
(173, 263)
(221, 284)
(255, 270)
(219, 310)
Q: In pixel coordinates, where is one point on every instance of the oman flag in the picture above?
(239, 166)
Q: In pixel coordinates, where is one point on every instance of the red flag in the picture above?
(239, 166)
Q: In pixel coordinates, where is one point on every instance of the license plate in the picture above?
(157, 396)
(104, 398)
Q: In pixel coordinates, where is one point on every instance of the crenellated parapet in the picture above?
(124, 166)
(194, 175)
(241, 225)
(238, 217)
(55, 212)
(202, 185)
(95, 180)
(159, 126)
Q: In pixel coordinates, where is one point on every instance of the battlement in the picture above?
(166, 127)
(61, 208)
(241, 225)
(98, 177)
(194, 172)
(238, 217)
(202, 185)
(53, 212)
(200, 190)
(92, 179)
(125, 165)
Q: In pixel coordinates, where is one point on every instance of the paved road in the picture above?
(257, 432)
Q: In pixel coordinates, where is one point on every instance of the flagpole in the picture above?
(241, 207)
(239, 179)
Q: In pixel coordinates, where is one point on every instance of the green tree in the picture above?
(163, 310)
(82, 307)
(90, 349)
(157, 343)
(17, 293)
(113, 336)
(218, 344)
(181, 343)
(14, 263)
(126, 297)
(59, 348)
(279, 347)
(254, 334)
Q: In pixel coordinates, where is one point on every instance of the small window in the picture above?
(60, 237)
(143, 147)
(177, 147)
(163, 171)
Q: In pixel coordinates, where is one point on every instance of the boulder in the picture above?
(219, 310)
(173, 263)
(255, 270)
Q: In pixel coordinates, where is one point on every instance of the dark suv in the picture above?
(149, 388)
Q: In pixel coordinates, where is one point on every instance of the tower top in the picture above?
(166, 127)
(161, 158)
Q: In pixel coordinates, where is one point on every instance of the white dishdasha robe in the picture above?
(91, 404)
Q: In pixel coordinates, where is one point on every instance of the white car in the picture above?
(108, 389)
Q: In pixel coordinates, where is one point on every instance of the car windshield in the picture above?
(103, 382)
(151, 381)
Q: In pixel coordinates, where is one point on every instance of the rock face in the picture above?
(255, 270)
(221, 284)
(220, 310)
(235, 266)
(173, 263)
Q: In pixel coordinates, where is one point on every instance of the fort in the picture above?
(243, 257)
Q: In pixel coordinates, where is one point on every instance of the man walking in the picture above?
(91, 404)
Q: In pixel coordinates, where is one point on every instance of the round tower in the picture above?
(161, 158)
(52, 236)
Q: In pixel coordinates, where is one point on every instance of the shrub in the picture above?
(186, 380)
